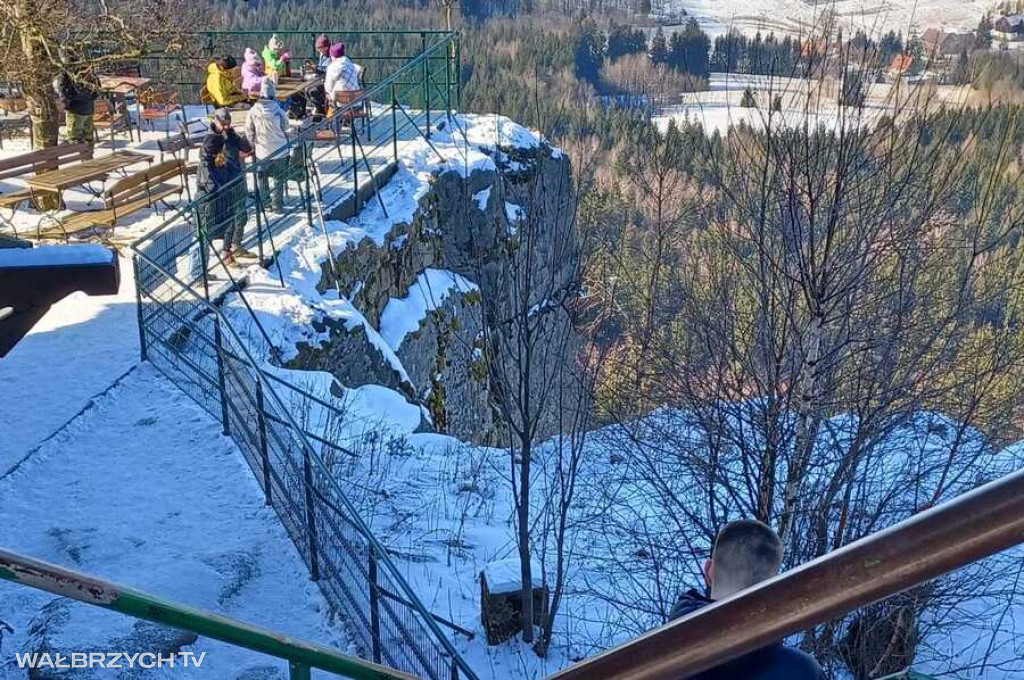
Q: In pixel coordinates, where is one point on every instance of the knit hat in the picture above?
(338, 50)
(222, 115)
(274, 43)
(250, 55)
(267, 89)
(322, 41)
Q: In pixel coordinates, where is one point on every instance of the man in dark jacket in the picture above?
(222, 185)
(745, 553)
(78, 99)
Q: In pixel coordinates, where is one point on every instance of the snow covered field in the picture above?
(77, 350)
(815, 102)
(800, 17)
(143, 490)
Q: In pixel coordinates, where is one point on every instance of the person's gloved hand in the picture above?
(287, 56)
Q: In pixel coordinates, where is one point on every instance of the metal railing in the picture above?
(976, 525)
(381, 53)
(300, 655)
(189, 339)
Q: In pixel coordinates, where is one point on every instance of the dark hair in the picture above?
(746, 552)
(227, 62)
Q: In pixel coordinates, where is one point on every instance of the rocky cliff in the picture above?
(431, 288)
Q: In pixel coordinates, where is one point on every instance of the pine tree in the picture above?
(659, 48)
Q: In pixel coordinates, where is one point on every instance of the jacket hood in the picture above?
(250, 55)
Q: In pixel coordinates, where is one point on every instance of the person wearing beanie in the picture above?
(343, 74)
(253, 74)
(221, 87)
(223, 212)
(266, 126)
(276, 58)
(323, 52)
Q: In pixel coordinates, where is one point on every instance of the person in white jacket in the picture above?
(266, 127)
(343, 74)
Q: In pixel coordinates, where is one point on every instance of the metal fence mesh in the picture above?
(187, 337)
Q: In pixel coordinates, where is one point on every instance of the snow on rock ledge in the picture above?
(393, 298)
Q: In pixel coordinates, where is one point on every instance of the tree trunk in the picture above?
(525, 568)
(45, 120)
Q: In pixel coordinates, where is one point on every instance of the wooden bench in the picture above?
(127, 196)
(36, 162)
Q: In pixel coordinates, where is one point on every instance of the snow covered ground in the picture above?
(800, 17)
(143, 490)
(814, 102)
(76, 351)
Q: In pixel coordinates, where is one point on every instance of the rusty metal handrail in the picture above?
(968, 528)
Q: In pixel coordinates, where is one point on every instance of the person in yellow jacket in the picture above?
(221, 87)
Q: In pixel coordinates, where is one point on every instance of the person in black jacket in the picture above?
(78, 99)
(222, 190)
(745, 553)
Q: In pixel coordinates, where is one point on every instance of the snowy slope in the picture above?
(77, 350)
(799, 17)
(143, 490)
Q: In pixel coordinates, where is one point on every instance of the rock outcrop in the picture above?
(433, 290)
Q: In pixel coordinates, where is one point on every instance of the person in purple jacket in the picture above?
(253, 73)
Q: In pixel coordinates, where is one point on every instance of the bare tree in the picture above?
(836, 342)
(39, 39)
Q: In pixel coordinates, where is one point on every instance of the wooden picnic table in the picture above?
(122, 85)
(289, 85)
(86, 171)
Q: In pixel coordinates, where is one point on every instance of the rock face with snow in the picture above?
(427, 284)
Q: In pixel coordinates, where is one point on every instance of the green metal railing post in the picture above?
(458, 72)
(298, 671)
(261, 422)
(374, 608)
(307, 474)
(425, 82)
(394, 121)
(307, 157)
(203, 255)
(138, 309)
(301, 655)
(259, 218)
(221, 387)
(355, 167)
